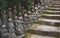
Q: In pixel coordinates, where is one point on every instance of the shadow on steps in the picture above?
(44, 33)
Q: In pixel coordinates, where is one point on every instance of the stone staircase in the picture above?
(48, 25)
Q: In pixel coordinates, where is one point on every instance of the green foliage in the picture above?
(3, 4)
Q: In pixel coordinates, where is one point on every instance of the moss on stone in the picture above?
(28, 35)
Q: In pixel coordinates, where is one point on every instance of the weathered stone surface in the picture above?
(39, 36)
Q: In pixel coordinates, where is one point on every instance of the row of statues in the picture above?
(16, 14)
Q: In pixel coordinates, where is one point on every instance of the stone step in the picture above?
(45, 30)
(52, 11)
(51, 16)
(48, 17)
(49, 20)
(56, 0)
(45, 12)
(56, 6)
(39, 36)
(55, 3)
(52, 8)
